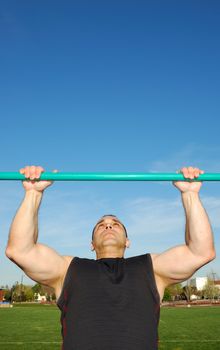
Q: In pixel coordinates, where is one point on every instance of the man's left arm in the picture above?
(179, 263)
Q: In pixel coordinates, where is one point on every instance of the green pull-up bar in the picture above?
(111, 176)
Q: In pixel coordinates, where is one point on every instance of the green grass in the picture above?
(195, 328)
(37, 327)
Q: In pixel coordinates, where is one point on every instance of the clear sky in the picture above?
(109, 86)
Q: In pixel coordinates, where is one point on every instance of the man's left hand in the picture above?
(189, 173)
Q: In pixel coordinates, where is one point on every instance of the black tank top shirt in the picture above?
(110, 304)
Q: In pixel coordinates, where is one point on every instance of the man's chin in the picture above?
(109, 242)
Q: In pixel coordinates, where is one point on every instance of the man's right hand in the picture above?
(33, 173)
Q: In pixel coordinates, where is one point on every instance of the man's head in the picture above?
(109, 235)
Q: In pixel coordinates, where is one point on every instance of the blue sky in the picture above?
(109, 86)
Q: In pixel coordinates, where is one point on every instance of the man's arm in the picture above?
(38, 261)
(179, 263)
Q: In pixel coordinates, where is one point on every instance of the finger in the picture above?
(191, 172)
(200, 172)
(197, 173)
(183, 169)
(27, 171)
(32, 172)
(21, 171)
(39, 171)
(185, 172)
(194, 172)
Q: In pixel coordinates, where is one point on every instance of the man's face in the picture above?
(109, 231)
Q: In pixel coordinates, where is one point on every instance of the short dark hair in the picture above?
(93, 231)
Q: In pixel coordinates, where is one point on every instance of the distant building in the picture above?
(1, 295)
(40, 298)
(3, 303)
(198, 282)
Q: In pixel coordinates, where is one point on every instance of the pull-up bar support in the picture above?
(70, 176)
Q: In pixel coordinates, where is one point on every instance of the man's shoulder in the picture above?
(68, 258)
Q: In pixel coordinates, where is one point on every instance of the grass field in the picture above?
(37, 327)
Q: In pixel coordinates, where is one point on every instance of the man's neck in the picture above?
(102, 255)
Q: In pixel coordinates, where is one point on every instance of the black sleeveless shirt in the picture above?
(110, 304)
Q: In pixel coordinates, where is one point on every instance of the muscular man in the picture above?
(110, 303)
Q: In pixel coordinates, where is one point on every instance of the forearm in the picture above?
(24, 229)
(187, 232)
(198, 235)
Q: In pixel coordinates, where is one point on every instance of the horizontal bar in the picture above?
(111, 176)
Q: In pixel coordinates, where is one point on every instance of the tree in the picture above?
(189, 291)
(15, 292)
(29, 294)
(37, 288)
(167, 295)
(173, 292)
(176, 291)
(7, 294)
(44, 290)
(210, 291)
(21, 293)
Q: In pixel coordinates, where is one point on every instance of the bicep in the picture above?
(176, 264)
(43, 264)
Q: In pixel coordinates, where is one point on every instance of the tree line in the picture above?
(180, 292)
(21, 293)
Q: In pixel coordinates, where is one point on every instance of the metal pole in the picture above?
(72, 176)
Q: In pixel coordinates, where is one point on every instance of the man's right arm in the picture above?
(38, 261)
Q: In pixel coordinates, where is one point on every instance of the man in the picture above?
(110, 303)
